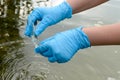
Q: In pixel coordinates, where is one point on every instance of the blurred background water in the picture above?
(19, 62)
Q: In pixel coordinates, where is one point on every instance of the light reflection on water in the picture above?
(15, 63)
(19, 62)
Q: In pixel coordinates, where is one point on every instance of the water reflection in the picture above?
(10, 40)
(19, 62)
(15, 64)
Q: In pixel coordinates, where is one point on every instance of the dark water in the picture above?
(10, 40)
(13, 63)
(19, 62)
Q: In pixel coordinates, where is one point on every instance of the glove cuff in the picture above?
(83, 39)
(67, 9)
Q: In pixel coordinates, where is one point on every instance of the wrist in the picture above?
(67, 9)
(63, 6)
(83, 38)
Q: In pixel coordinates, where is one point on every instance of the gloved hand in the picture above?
(47, 17)
(62, 46)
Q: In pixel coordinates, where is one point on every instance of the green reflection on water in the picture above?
(10, 40)
(13, 64)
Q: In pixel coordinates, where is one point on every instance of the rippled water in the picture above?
(19, 62)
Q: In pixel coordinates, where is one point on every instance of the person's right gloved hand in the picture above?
(62, 46)
(47, 17)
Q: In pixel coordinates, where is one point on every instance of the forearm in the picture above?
(104, 35)
(81, 5)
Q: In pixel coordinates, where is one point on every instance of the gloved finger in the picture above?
(62, 58)
(44, 50)
(36, 14)
(48, 53)
(29, 30)
(29, 26)
(52, 59)
(36, 17)
(31, 21)
(45, 22)
(40, 28)
(41, 49)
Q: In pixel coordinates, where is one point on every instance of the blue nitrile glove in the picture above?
(62, 46)
(47, 17)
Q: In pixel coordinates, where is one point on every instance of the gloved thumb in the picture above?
(52, 59)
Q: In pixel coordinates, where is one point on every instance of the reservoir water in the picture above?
(18, 61)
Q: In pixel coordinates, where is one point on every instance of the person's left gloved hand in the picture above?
(47, 16)
(62, 46)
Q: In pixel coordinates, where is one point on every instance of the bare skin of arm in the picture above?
(104, 35)
(82, 5)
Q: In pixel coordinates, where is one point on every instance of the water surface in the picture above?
(19, 62)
